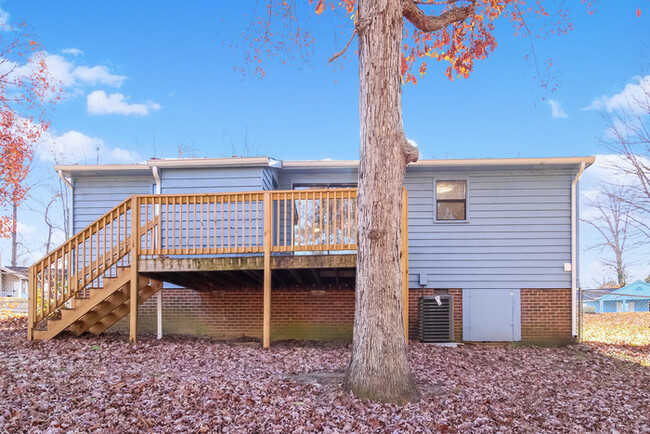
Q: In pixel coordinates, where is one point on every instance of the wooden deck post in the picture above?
(31, 302)
(135, 247)
(405, 263)
(267, 241)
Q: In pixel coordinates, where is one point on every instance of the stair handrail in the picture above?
(64, 271)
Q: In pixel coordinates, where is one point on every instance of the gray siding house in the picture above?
(497, 238)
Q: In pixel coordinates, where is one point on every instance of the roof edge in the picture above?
(211, 162)
(552, 161)
(98, 167)
(311, 164)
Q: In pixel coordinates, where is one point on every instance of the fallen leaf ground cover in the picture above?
(623, 335)
(184, 384)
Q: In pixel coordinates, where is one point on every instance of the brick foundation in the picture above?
(295, 314)
(328, 315)
(546, 316)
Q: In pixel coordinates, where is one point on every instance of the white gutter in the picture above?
(215, 162)
(574, 250)
(475, 162)
(71, 187)
(550, 161)
(156, 176)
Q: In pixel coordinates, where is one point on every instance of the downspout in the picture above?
(574, 250)
(156, 177)
(71, 187)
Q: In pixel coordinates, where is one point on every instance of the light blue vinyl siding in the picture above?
(211, 180)
(317, 176)
(94, 196)
(269, 179)
(518, 233)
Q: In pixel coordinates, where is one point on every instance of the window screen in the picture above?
(451, 200)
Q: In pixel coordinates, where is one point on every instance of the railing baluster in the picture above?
(173, 245)
(195, 231)
(229, 224)
(214, 237)
(202, 230)
(187, 224)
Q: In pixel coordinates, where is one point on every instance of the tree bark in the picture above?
(379, 367)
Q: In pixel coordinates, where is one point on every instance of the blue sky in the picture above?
(157, 71)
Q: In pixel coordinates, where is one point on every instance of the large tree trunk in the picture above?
(379, 367)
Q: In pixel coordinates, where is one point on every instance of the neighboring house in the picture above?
(13, 282)
(497, 235)
(634, 297)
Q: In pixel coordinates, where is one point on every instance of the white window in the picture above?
(451, 200)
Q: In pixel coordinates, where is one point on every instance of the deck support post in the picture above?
(405, 264)
(268, 239)
(31, 303)
(159, 315)
(135, 247)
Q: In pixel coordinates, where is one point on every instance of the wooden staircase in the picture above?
(104, 307)
(86, 284)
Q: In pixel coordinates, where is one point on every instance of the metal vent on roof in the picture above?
(436, 318)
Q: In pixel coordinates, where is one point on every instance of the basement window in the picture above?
(451, 200)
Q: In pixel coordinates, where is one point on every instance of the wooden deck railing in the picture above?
(234, 223)
(187, 225)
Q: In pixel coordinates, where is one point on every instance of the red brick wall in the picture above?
(416, 293)
(328, 315)
(295, 314)
(546, 316)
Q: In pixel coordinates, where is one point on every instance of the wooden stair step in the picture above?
(70, 316)
(144, 293)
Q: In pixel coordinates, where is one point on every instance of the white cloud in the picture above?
(72, 51)
(557, 112)
(627, 99)
(99, 103)
(26, 230)
(97, 75)
(70, 75)
(61, 70)
(605, 170)
(74, 147)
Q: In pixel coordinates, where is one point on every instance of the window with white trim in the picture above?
(451, 200)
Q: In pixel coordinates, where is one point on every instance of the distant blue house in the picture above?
(634, 297)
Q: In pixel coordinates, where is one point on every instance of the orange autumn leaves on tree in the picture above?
(27, 91)
(469, 39)
(459, 44)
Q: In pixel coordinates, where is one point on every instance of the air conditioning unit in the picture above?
(436, 318)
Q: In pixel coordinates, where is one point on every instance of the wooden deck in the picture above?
(205, 241)
(231, 273)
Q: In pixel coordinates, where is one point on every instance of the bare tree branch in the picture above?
(340, 53)
(614, 221)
